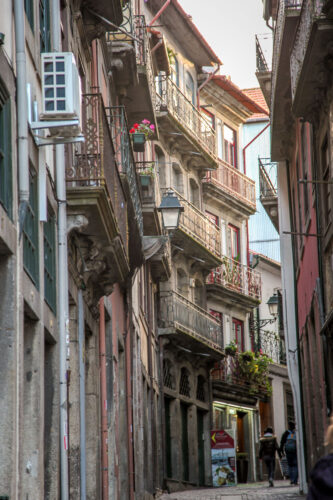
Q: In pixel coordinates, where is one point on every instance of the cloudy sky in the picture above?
(229, 27)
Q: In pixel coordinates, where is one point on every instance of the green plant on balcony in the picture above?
(231, 349)
(253, 367)
(147, 174)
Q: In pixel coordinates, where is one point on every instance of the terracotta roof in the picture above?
(226, 84)
(257, 96)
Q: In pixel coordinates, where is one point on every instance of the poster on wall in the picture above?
(223, 457)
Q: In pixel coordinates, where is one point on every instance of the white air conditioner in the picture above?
(60, 87)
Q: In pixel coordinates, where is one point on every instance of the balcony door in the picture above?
(230, 145)
(238, 333)
(234, 242)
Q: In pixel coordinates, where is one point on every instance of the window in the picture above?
(209, 117)
(44, 25)
(189, 88)
(29, 11)
(30, 232)
(6, 189)
(194, 193)
(177, 178)
(238, 333)
(219, 139)
(168, 379)
(325, 187)
(305, 169)
(174, 70)
(184, 384)
(201, 389)
(233, 242)
(50, 260)
(230, 145)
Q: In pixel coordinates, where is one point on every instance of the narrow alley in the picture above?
(255, 491)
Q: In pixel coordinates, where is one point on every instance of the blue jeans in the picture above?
(293, 469)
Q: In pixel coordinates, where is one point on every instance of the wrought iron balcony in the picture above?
(94, 165)
(263, 60)
(141, 98)
(230, 375)
(268, 189)
(125, 160)
(150, 196)
(189, 121)
(234, 184)
(179, 315)
(237, 278)
(203, 237)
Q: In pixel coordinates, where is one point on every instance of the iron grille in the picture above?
(167, 375)
(184, 384)
(201, 386)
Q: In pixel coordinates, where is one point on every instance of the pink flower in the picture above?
(260, 350)
(145, 121)
(152, 127)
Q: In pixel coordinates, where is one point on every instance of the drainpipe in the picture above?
(82, 397)
(129, 398)
(160, 12)
(22, 112)
(104, 416)
(62, 282)
(210, 76)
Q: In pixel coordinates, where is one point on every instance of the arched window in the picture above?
(177, 178)
(175, 70)
(168, 378)
(201, 388)
(189, 88)
(199, 293)
(160, 166)
(184, 383)
(194, 193)
(182, 282)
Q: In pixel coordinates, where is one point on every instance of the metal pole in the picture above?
(82, 397)
(104, 402)
(62, 282)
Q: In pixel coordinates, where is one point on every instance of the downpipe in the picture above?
(82, 397)
(104, 416)
(63, 314)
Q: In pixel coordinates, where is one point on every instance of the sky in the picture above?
(229, 27)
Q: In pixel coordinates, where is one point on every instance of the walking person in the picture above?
(321, 476)
(267, 450)
(288, 445)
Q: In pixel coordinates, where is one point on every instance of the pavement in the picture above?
(254, 491)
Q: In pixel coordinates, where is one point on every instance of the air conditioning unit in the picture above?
(61, 89)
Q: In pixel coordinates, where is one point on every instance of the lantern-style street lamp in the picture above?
(273, 305)
(170, 209)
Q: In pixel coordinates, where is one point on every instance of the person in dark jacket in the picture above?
(321, 477)
(267, 450)
(288, 446)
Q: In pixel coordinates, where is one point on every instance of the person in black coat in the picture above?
(267, 450)
(321, 477)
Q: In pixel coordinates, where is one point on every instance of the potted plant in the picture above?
(140, 132)
(231, 349)
(147, 174)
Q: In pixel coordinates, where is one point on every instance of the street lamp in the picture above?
(170, 209)
(273, 305)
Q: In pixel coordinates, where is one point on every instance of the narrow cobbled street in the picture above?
(255, 491)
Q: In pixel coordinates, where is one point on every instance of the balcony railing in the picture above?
(198, 226)
(94, 163)
(181, 314)
(263, 52)
(237, 277)
(171, 98)
(267, 179)
(230, 371)
(136, 26)
(235, 183)
(124, 156)
(151, 192)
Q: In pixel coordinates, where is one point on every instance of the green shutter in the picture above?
(30, 232)
(29, 10)
(44, 26)
(6, 188)
(50, 261)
